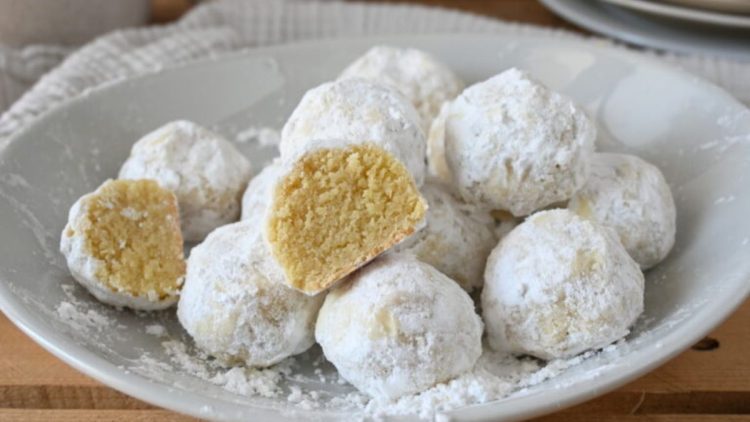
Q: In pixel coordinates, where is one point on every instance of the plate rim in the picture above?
(527, 406)
(684, 13)
(583, 13)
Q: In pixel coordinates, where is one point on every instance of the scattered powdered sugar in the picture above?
(303, 400)
(80, 319)
(724, 199)
(79, 316)
(264, 136)
(722, 145)
(496, 376)
(307, 381)
(156, 330)
(239, 380)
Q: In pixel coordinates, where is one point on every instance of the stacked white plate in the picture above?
(709, 27)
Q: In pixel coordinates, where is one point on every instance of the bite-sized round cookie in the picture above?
(235, 305)
(505, 222)
(631, 196)
(357, 111)
(456, 239)
(123, 244)
(204, 170)
(515, 145)
(420, 77)
(437, 165)
(558, 285)
(399, 326)
(259, 192)
(335, 208)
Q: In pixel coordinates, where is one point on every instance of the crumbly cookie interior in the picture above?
(132, 227)
(336, 209)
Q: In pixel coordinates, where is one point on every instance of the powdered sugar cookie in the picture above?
(123, 243)
(337, 207)
(456, 239)
(512, 144)
(357, 111)
(558, 285)
(235, 305)
(631, 196)
(421, 78)
(258, 193)
(205, 171)
(399, 326)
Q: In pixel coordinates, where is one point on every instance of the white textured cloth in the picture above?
(229, 25)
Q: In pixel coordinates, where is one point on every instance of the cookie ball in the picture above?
(206, 172)
(456, 239)
(420, 77)
(515, 145)
(235, 305)
(399, 326)
(631, 196)
(558, 285)
(437, 165)
(505, 222)
(357, 111)
(123, 244)
(335, 208)
(258, 193)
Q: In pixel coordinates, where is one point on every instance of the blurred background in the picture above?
(36, 35)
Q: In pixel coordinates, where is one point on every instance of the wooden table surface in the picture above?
(709, 382)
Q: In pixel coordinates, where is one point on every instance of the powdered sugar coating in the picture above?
(399, 326)
(505, 222)
(456, 240)
(558, 285)
(513, 144)
(356, 111)
(205, 171)
(83, 265)
(631, 196)
(437, 165)
(235, 304)
(259, 191)
(421, 78)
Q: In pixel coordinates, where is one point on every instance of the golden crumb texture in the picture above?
(132, 227)
(338, 208)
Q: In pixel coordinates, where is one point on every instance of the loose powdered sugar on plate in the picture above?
(308, 381)
(79, 316)
(264, 136)
(496, 376)
(82, 320)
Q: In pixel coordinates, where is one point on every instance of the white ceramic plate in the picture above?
(685, 13)
(724, 6)
(653, 31)
(694, 131)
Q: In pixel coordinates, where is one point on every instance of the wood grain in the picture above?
(708, 383)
